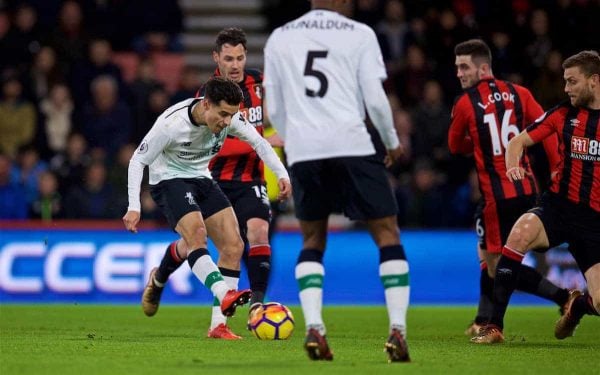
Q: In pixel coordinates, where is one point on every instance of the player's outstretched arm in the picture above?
(513, 155)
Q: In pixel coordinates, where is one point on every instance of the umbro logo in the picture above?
(574, 122)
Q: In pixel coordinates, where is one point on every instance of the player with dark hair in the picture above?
(484, 118)
(322, 71)
(178, 149)
(240, 174)
(569, 211)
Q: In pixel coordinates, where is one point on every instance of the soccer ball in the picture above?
(273, 321)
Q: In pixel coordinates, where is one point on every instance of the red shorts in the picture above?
(495, 219)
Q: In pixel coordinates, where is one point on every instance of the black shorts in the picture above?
(495, 219)
(575, 224)
(249, 200)
(180, 196)
(358, 187)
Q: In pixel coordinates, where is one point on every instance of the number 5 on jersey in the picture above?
(310, 71)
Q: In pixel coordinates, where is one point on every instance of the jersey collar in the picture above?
(194, 102)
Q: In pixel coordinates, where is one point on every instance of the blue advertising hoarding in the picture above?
(110, 266)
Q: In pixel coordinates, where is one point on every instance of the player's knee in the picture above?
(258, 233)
(232, 250)
(521, 237)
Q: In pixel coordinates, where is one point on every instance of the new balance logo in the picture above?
(190, 198)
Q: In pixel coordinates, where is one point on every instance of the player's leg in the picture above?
(170, 197)
(369, 197)
(309, 274)
(253, 212)
(527, 233)
(223, 229)
(259, 258)
(393, 271)
(314, 187)
(486, 288)
(588, 259)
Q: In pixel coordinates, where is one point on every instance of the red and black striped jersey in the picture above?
(578, 130)
(484, 118)
(237, 161)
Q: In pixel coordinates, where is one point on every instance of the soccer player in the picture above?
(321, 70)
(240, 175)
(570, 210)
(178, 149)
(484, 117)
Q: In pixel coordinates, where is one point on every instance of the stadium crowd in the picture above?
(70, 120)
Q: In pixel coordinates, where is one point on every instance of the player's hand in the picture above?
(516, 173)
(393, 155)
(131, 219)
(285, 189)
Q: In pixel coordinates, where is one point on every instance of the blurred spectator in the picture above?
(94, 199)
(48, 205)
(404, 128)
(24, 37)
(69, 38)
(391, 34)
(424, 197)
(502, 53)
(430, 120)
(157, 27)
(158, 102)
(44, 74)
(98, 64)
(140, 90)
(464, 201)
(368, 11)
(548, 88)
(443, 33)
(117, 173)
(27, 170)
(12, 197)
(17, 117)
(70, 165)
(190, 81)
(4, 39)
(539, 44)
(57, 122)
(150, 210)
(106, 120)
(410, 83)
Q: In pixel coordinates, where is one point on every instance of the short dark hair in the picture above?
(232, 36)
(587, 61)
(221, 88)
(476, 48)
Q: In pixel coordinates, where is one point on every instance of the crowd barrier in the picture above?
(78, 264)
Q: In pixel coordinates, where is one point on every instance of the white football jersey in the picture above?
(177, 147)
(314, 69)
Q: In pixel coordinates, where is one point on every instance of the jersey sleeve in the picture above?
(543, 127)
(371, 60)
(273, 105)
(152, 145)
(533, 111)
(247, 133)
(459, 141)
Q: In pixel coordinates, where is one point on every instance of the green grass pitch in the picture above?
(104, 339)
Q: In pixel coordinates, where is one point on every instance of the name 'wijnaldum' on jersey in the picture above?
(319, 24)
